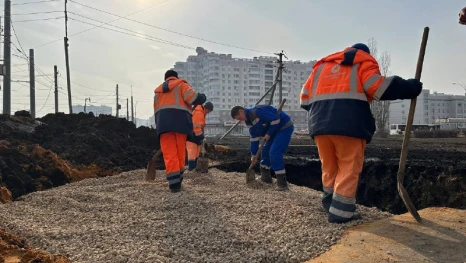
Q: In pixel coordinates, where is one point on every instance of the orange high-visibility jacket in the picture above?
(339, 91)
(172, 106)
(199, 120)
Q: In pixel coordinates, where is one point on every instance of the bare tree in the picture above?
(380, 109)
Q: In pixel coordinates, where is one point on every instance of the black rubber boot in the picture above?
(282, 185)
(265, 175)
(175, 188)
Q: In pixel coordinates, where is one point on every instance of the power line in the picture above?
(139, 35)
(139, 11)
(48, 96)
(19, 43)
(168, 30)
(36, 13)
(40, 19)
(36, 2)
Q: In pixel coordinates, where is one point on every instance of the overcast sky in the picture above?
(304, 29)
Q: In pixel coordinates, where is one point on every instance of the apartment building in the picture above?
(429, 108)
(229, 81)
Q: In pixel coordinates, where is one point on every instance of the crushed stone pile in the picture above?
(216, 218)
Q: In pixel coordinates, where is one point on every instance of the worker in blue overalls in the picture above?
(277, 129)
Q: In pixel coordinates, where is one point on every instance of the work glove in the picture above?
(199, 139)
(462, 15)
(416, 88)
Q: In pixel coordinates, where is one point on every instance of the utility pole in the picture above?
(117, 105)
(1, 31)
(7, 60)
(67, 59)
(127, 109)
(55, 73)
(85, 104)
(135, 111)
(280, 83)
(132, 109)
(32, 83)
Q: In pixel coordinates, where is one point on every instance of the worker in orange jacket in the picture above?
(194, 148)
(337, 95)
(173, 102)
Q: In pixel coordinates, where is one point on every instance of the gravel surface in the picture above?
(216, 218)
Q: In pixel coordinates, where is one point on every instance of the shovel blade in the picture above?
(409, 204)
(250, 176)
(202, 165)
(151, 170)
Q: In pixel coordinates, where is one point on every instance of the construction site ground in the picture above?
(62, 150)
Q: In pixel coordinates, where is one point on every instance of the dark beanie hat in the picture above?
(171, 73)
(209, 106)
(362, 47)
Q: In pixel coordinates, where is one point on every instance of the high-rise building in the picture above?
(429, 108)
(229, 81)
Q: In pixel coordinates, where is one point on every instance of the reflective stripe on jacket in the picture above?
(172, 106)
(199, 120)
(338, 92)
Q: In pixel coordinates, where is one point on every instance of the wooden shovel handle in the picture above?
(261, 145)
(412, 108)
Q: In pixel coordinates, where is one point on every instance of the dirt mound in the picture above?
(13, 249)
(106, 141)
(58, 148)
(26, 168)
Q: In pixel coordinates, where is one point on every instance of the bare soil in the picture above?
(15, 250)
(440, 238)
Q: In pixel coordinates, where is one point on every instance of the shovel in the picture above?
(250, 173)
(152, 167)
(404, 150)
(202, 163)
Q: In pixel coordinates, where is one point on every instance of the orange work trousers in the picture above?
(193, 151)
(173, 147)
(342, 160)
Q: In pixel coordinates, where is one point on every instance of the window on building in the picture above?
(426, 120)
(426, 107)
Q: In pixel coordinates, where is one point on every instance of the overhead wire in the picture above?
(35, 13)
(35, 2)
(136, 34)
(40, 19)
(168, 30)
(139, 11)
